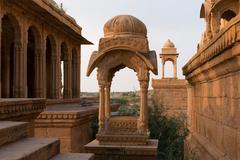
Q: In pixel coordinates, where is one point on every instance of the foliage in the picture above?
(128, 111)
(170, 131)
(122, 101)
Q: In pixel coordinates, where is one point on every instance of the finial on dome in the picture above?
(168, 44)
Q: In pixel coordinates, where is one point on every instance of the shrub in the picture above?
(128, 111)
(170, 131)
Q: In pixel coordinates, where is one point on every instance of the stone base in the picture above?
(71, 123)
(129, 140)
(119, 152)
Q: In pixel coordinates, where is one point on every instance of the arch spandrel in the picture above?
(118, 60)
(150, 60)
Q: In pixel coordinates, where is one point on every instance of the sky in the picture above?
(177, 20)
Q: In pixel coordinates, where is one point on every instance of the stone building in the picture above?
(40, 51)
(214, 77)
(170, 92)
(38, 37)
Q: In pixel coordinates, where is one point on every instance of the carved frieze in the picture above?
(134, 43)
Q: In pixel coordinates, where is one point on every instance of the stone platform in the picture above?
(120, 152)
(71, 123)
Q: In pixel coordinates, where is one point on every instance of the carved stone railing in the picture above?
(220, 42)
(21, 109)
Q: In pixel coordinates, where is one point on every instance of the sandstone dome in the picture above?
(125, 25)
(168, 44)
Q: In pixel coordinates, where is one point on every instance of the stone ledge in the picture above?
(169, 83)
(19, 108)
(66, 115)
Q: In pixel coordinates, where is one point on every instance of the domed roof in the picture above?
(168, 44)
(124, 24)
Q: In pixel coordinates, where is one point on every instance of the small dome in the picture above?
(168, 44)
(124, 24)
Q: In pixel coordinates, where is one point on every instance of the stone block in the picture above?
(230, 142)
(118, 152)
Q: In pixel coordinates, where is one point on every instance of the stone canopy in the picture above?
(124, 33)
(124, 44)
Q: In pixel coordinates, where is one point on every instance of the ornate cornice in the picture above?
(225, 39)
(135, 43)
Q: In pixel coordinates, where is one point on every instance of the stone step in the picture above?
(12, 131)
(74, 156)
(30, 149)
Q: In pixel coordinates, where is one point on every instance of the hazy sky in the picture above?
(177, 20)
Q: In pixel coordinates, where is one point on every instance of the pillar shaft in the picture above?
(76, 77)
(19, 91)
(215, 24)
(107, 101)
(101, 107)
(175, 70)
(54, 89)
(0, 55)
(39, 88)
(144, 106)
(163, 70)
(67, 78)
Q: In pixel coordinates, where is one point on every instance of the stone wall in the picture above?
(171, 94)
(214, 97)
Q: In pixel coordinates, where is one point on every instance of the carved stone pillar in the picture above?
(0, 55)
(101, 106)
(67, 78)
(143, 119)
(189, 104)
(78, 87)
(107, 101)
(19, 91)
(163, 69)
(175, 69)
(54, 90)
(39, 88)
(76, 77)
(215, 24)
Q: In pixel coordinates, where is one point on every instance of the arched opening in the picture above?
(31, 61)
(226, 17)
(50, 46)
(125, 88)
(168, 69)
(64, 52)
(74, 73)
(9, 37)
